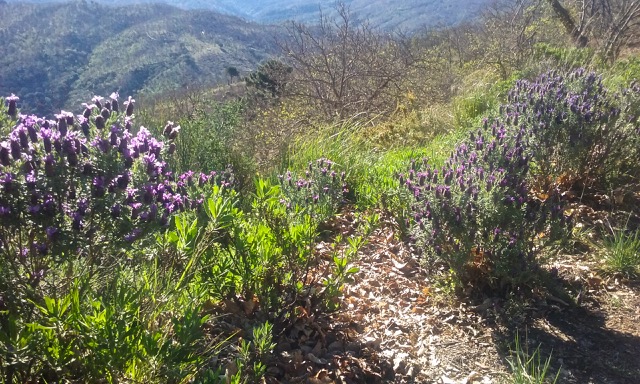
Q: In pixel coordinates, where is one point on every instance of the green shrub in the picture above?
(81, 199)
(319, 193)
(475, 214)
(623, 73)
(577, 131)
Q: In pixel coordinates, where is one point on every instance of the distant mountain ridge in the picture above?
(407, 15)
(57, 55)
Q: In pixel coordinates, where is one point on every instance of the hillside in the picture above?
(406, 15)
(455, 206)
(388, 14)
(80, 49)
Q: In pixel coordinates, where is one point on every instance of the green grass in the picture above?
(372, 172)
(529, 367)
(622, 253)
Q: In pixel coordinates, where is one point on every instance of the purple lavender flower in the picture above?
(133, 235)
(102, 144)
(47, 135)
(83, 206)
(116, 211)
(99, 120)
(129, 104)
(31, 180)
(135, 210)
(153, 212)
(167, 129)
(49, 164)
(88, 108)
(114, 102)
(153, 167)
(42, 248)
(63, 121)
(97, 100)
(203, 179)
(76, 221)
(113, 136)
(174, 132)
(149, 194)
(49, 205)
(13, 105)
(7, 182)
(4, 211)
(72, 159)
(98, 186)
(105, 112)
(84, 125)
(33, 209)
(131, 195)
(14, 144)
(5, 149)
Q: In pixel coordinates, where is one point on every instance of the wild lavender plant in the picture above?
(487, 209)
(320, 191)
(475, 214)
(81, 185)
(577, 131)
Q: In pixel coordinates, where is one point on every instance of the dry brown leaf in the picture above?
(315, 359)
(229, 306)
(250, 306)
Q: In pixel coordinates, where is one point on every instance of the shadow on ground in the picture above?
(580, 344)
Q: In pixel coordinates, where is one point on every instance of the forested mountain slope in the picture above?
(56, 55)
(404, 14)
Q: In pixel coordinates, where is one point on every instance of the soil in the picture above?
(399, 324)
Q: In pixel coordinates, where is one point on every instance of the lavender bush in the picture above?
(78, 185)
(475, 213)
(487, 210)
(579, 133)
(320, 191)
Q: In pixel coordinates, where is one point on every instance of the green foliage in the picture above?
(263, 254)
(564, 59)
(105, 331)
(529, 368)
(209, 136)
(623, 73)
(622, 253)
(253, 355)
(206, 141)
(269, 80)
(467, 109)
(478, 97)
(319, 193)
(342, 271)
(579, 132)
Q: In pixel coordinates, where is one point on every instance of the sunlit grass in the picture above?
(622, 253)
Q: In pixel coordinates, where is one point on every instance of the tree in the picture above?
(342, 68)
(509, 33)
(232, 72)
(608, 23)
(270, 79)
